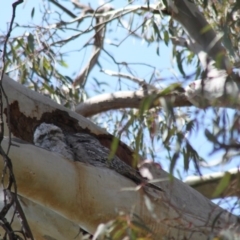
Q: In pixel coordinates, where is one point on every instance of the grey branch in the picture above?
(190, 17)
(192, 46)
(137, 80)
(181, 211)
(207, 184)
(128, 99)
(99, 36)
(217, 90)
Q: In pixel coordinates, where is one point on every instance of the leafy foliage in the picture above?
(122, 227)
(37, 56)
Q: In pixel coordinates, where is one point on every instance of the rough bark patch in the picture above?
(23, 127)
(123, 151)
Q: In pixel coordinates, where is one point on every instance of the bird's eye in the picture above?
(54, 132)
(41, 137)
(83, 141)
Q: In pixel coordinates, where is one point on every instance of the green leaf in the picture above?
(214, 9)
(205, 3)
(63, 63)
(223, 184)
(142, 226)
(179, 63)
(205, 29)
(69, 79)
(20, 42)
(157, 50)
(173, 162)
(210, 136)
(165, 2)
(168, 134)
(227, 43)
(190, 125)
(41, 65)
(156, 30)
(119, 234)
(145, 104)
(170, 88)
(13, 52)
(166, 37)
(47, 87)
(32, 12)
(186, 159)
(30, 39)
(114, 147)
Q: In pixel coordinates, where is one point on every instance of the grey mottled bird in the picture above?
(51, 137)
(85, 148)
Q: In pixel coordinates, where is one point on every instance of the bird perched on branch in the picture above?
(84, 148)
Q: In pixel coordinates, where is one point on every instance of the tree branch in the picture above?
(207, 183)
(87, 195)
(70, 13)
(139, 81)
(217, 89)
(128, 99)
(188, 14)
(96, 190)
(98, 44)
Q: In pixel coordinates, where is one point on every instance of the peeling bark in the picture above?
(28, 109)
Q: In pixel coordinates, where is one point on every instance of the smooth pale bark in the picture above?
(87, 195)
(205, 184)
(44, 223)
(33, 104)
(128, 99)
(204, 42)
(217, 90)
(194, 22)
(220, 86)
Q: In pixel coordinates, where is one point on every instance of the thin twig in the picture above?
(70, 13)
(139, 81)
(97, 47)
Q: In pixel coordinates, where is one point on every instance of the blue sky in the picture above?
(131, 50)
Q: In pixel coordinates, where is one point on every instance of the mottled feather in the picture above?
(84, 148)
(88, 149)
(51, 137)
